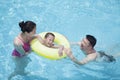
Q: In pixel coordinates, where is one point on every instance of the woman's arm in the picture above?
(19, 48)
(39, 38)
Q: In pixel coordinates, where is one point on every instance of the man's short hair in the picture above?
(91, 39)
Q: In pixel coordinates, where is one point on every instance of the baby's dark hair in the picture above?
(27, 26)
(49, 33)
(91, 39)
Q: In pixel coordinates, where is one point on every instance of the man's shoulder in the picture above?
(92, 56)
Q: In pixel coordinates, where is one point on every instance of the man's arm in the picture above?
(75, 43)
(70, 55)
(85, 60)
(60, 47)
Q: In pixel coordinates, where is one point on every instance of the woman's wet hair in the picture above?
(91, 39)
(49, 33)
(27, 26)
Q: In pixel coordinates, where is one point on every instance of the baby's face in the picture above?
(49, 40)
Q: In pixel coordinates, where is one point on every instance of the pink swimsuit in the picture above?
(26, 47)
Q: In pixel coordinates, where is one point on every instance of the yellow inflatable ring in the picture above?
(47, 52)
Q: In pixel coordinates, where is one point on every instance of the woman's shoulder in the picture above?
(17, 41)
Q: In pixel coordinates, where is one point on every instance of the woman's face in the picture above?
(30, 34)
(33, 32)
(49, 40)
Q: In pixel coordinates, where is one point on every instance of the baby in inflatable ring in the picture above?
(51, 45)
(49, 42)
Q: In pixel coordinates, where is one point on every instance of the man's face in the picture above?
(85, 44)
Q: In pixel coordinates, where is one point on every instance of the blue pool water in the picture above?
(72, 18)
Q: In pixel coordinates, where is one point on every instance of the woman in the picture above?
(22, 47)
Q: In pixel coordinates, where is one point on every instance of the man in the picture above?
(87, 46)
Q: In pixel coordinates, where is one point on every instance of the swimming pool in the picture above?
(74, 19)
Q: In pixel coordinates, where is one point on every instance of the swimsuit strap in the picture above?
(19, 37)
(26, 45)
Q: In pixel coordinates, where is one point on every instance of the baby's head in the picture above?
(49, 39)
